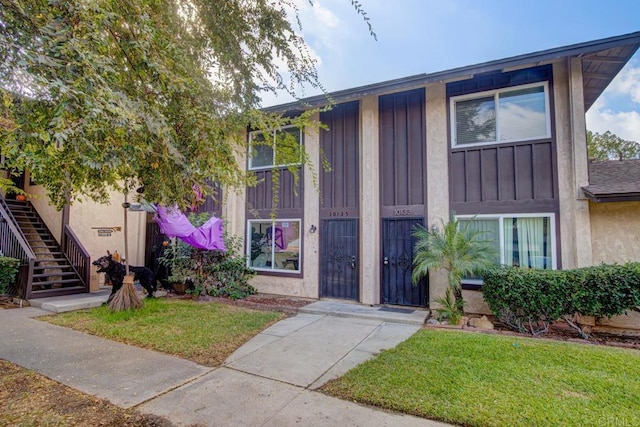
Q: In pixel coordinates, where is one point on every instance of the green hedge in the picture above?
(530, 300)
(8, 270)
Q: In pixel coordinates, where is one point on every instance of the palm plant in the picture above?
(458, 249)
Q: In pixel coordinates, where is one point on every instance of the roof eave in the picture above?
(533, 59)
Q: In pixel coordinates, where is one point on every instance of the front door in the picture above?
(397, 264)
(339, 262)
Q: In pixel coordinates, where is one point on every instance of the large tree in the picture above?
(96, 93)
(608, 146)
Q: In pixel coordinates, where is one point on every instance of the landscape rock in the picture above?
(432, 321)
(481, 323)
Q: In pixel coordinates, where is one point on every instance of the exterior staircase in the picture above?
(51, 269)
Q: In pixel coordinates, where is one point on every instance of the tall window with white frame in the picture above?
(524, 240)
(273, 245)
(511, 114)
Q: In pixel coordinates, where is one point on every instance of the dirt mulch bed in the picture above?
(289, 305)
(561, 332)
(30, 399)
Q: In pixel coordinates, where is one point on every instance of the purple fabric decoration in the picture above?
(174, 223)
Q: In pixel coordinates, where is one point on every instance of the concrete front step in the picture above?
(408, 315)
(71, 302)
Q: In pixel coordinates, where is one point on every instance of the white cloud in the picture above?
(325, 17)
(627, 83)
(603, 116)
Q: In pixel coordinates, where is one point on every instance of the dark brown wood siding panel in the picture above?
(289, 201)
(489, 174)
(339, 187)
(402, 142)
(503, 173)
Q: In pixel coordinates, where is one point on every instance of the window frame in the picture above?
(496, 96)
(501, 218)
(273, 270)
(273, 132)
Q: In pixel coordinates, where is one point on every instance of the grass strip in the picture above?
(478, 379)
(206, 333)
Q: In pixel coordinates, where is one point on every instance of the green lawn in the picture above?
(487, 380)
(203, 332)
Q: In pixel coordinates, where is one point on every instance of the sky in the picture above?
(426, 36)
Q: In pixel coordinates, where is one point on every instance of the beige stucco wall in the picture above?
(437, 173)
(50, 215)
(570, 127)
(370, 245)
(615, 229)
(84, 219)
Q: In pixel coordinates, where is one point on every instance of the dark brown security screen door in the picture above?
(339, 203)
(402, 193)
(339, 256)
(397, 259)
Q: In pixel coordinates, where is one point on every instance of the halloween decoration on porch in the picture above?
(126, 297)
(116, 272)
(174, 223)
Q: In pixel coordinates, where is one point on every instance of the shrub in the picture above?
(211, 272)
(8, 271)
(526, 300)
(529, 300)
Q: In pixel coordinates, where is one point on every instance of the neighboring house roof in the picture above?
(614, 181)
(601, 61)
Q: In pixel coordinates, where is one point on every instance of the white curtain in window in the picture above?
(531, 242)
(508, 241)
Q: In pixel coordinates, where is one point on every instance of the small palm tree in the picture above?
(457, 249)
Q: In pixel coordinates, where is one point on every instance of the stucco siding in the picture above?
(615, 229)
(85, 218)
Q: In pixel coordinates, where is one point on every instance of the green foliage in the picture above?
(495, 381)
(204, 333)
(8, 271)
(155, 93)
(604, 290)
(608, 146)
(457, 249)
(529, 300)
(450, 309)
(211, 272)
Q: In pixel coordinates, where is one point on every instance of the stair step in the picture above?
(61, 273)
(56, 282)
(56, 267)
(39, 260)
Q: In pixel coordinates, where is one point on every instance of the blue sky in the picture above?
(425, 36)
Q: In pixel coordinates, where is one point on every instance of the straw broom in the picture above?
(126, 298)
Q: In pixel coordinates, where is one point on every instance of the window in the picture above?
(506, 115)
(274, 245)
(526, 240)
(271, 148)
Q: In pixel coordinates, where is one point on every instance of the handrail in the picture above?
(13, 244)
(77, 255)
(3, 203)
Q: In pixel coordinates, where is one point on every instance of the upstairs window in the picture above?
(507, 115)
(274, 148)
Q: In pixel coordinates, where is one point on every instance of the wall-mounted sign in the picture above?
(106, 231)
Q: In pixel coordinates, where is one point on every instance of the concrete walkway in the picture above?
(269, 381)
